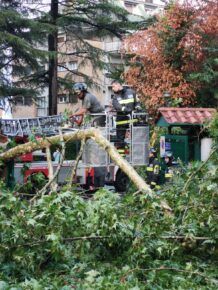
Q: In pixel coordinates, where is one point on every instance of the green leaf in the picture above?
(4, 285)
(52, 237)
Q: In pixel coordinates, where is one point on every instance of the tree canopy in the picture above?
(178, 55)
(29, 49)
(22, 69)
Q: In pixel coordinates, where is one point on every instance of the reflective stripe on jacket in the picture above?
(168, 175)
(124, 101)
(127, 101)
(126, 122)
(153, 172)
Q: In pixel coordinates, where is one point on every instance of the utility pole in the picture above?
(53, 61)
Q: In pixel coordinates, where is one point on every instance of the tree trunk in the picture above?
(53, 61)
(50, 169)
(79, 135)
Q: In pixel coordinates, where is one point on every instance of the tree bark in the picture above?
(96, 135)
(73, 174)
(50, 169)
(55, 176)
(53, 61)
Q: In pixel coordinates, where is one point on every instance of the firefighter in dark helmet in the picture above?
(124, 101)
(167, 166)
(90, 104)
(153, 170)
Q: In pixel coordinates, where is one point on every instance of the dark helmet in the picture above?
(79, 87)
(152, 153)
(168, 154)
(152, 150)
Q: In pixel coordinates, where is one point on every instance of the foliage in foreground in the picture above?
(62, 241)
(131, 242)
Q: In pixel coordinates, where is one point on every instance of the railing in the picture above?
(26, 126)
(136, 140)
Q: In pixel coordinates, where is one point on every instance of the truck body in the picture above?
(135, 151)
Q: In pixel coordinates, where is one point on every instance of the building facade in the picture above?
(72, 68)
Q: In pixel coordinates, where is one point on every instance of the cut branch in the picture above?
(169, 269)
(73, 174)
(43, 190)
(67, 240)
(50, 169)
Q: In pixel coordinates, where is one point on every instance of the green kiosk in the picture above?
(185, 132)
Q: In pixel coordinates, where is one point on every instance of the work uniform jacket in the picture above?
(124, 103)
(166, 172)
(153, 172)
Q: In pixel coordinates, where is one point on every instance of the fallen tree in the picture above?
(92, 133)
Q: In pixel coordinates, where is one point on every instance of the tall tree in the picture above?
(82, 21)
(53, 60)
(178, 54)
(20, 36)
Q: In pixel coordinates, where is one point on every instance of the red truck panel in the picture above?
(30, 171)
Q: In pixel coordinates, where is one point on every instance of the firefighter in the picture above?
(153, 170)
(124, 101)
(90, 103)
(166, 167)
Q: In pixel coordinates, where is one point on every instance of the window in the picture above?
(61, 67)
(73, 65)
(41, 102)
(73, 99)
(23, 101)
(60, 39)
(129, 4)
(63, 99)
(19, 101)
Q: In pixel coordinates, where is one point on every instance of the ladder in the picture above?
(27, 126)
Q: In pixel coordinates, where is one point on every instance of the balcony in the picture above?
(112, 46)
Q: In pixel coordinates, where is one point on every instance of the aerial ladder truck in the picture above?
(136, 151)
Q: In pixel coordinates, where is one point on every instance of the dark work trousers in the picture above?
(121, 133)
(121, 130)
(99, 181)
(99, 176)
